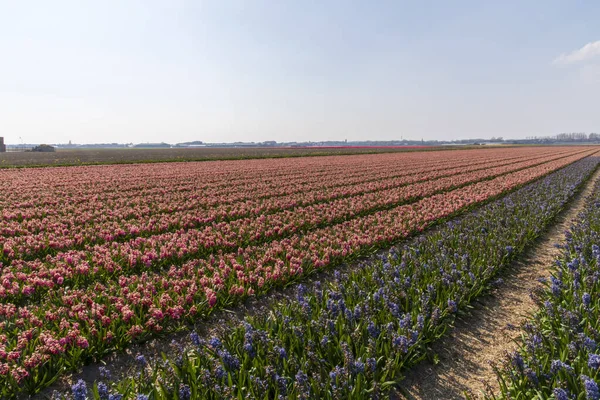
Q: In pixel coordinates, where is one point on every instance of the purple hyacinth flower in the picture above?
(592, 391)
(586, 299)
(79, 390)
(195, 338)
(102, 390)
(185, 392)
(594, 361)
(141, 360)
(561, 394)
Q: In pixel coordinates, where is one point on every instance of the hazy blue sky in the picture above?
(146, 71)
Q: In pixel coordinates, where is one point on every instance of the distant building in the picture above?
(2, 145)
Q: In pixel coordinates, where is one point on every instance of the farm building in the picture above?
(2, 145)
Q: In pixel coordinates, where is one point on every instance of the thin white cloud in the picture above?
(585, 53)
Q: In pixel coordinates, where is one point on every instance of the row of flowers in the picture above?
(559, 354)
(352, 337)
(111, 182)
(70, 326)
(94, 262)
(184, 211)
(185, 192)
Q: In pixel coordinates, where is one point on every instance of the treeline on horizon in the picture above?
(570, 137)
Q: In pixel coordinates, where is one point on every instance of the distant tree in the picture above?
(43, 148)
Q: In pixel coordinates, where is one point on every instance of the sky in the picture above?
(288, 70)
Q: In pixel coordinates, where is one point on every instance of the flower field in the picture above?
(559, 354)
(94, 258)
(351, 337)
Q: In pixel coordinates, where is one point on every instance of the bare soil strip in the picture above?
(489, 331)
